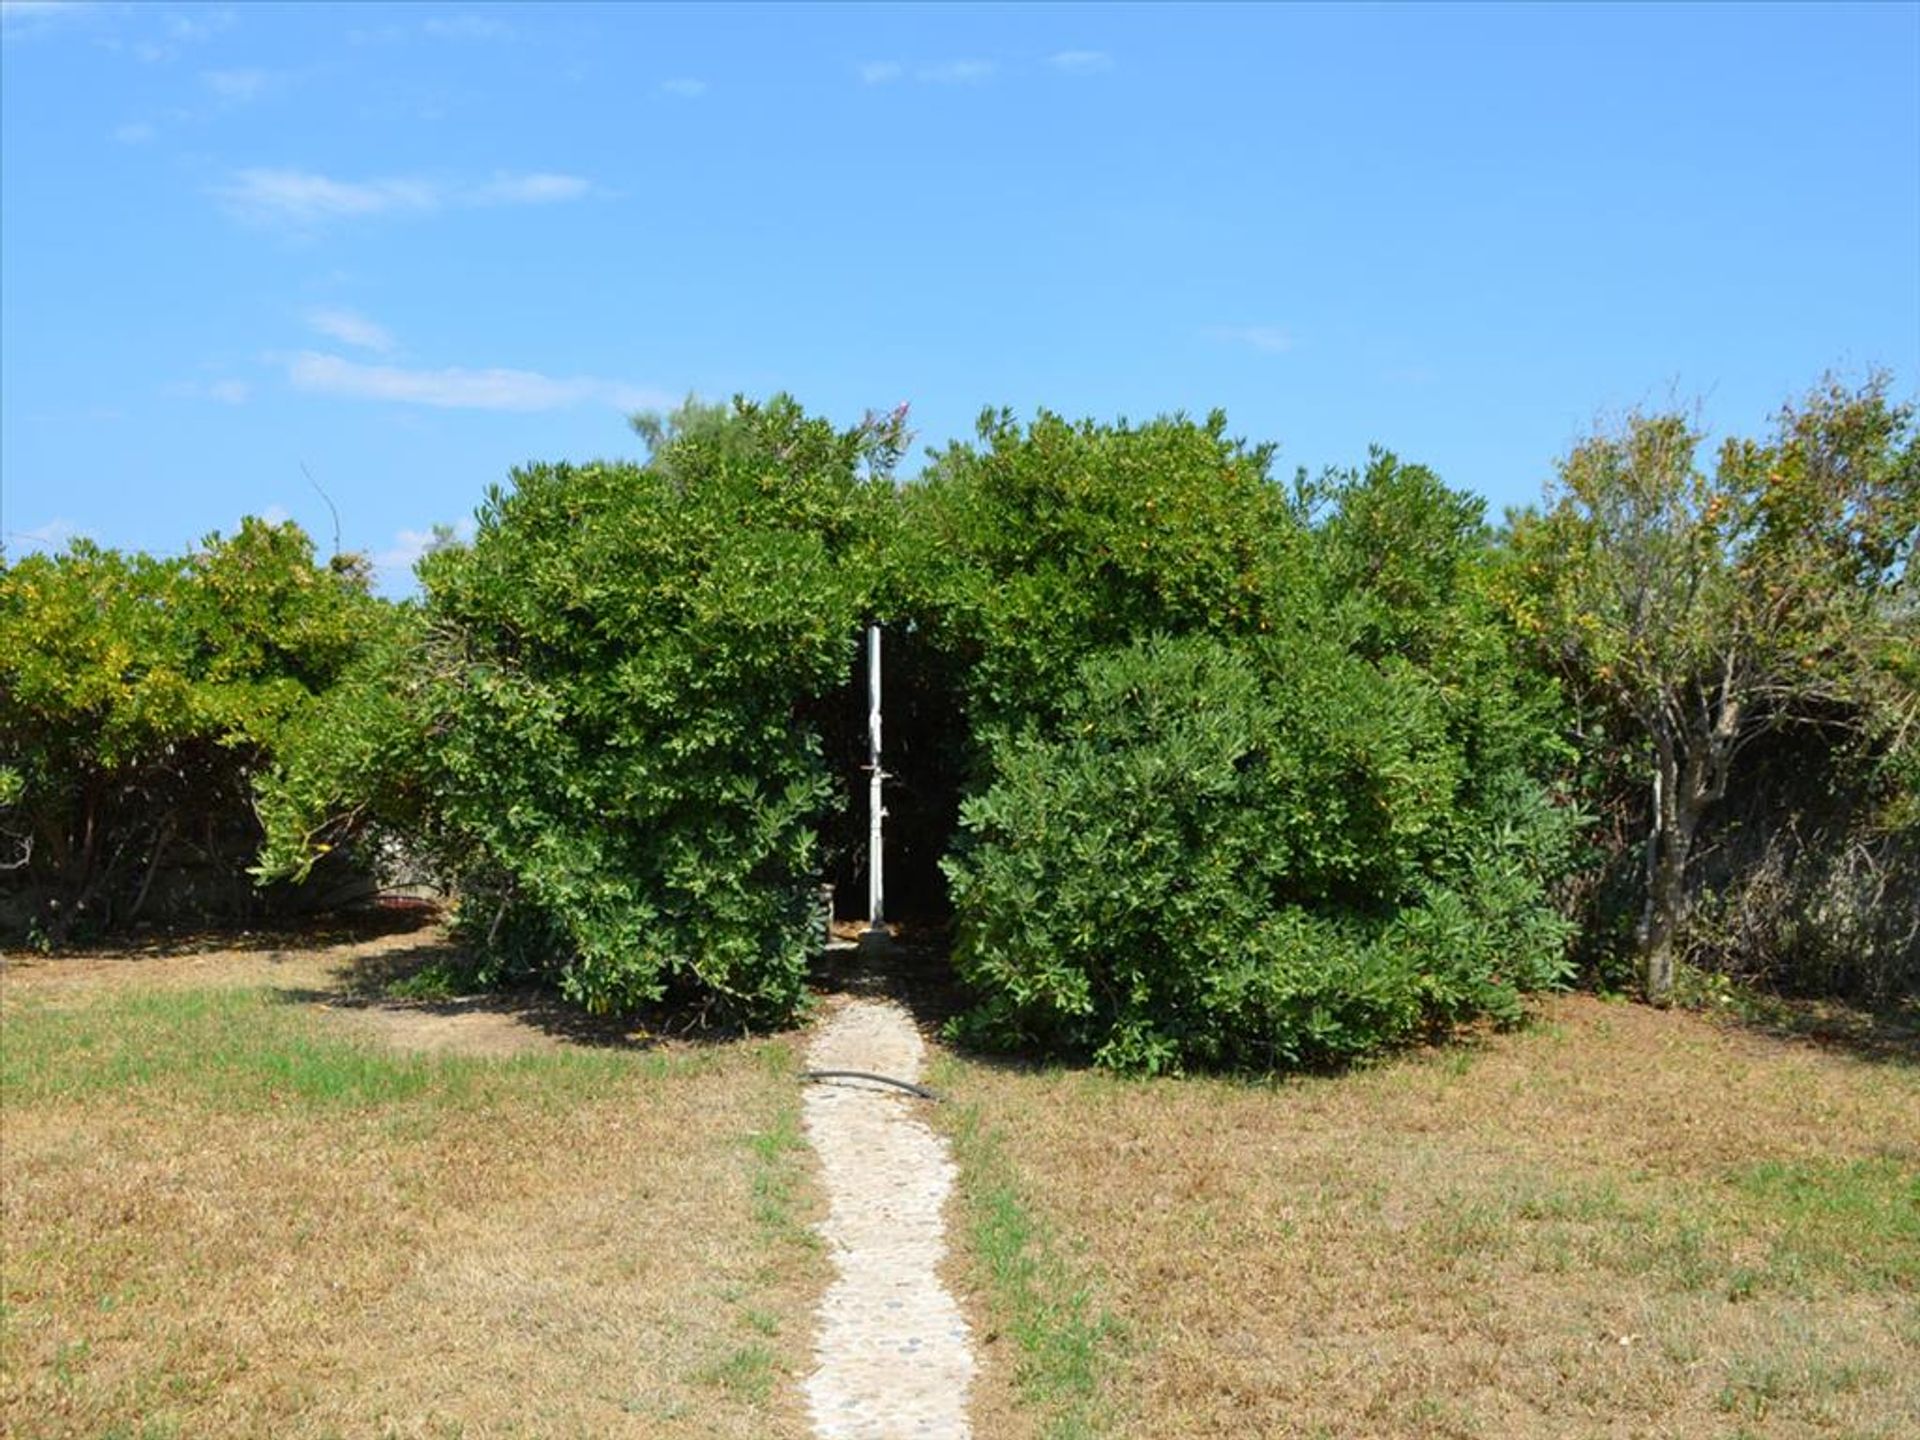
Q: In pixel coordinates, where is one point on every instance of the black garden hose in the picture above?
(906, 1085)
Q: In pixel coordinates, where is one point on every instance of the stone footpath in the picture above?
(894, 1356)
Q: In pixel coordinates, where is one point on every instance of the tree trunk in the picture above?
(1686, 780)
(1678, 798)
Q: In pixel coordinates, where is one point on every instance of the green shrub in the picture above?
(617, 671)
(138, 698)
(1259, 777)
(1243, 857)
(1043, 544)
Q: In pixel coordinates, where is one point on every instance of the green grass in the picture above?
(245, 1050)
(202, 1155)
(1857, 1222)
(1037, 1298)
(777, 1170)
(778, 1167)
(746, 1373)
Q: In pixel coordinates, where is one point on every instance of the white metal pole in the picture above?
(876, 884)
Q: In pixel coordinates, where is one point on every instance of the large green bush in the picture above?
(617, 677)
(1247, 857)
(139, 697)
(1257, 778)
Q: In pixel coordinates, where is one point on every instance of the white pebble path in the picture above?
(894, 1358)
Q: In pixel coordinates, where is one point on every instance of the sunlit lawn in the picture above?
(231, 1213)
(1618, 1222)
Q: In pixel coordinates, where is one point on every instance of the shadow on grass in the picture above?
(1888, 1035)
(345, 927)
(430, 979)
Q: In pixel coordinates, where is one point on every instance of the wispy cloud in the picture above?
(178, 31)
(300, 197)
(1267, 338)
(237, 86)
(459, 389)
(199, 26)
(21, 18)
(467, 27)
(226, 392)
(396, 562)
(684, 88)
(955, 72)
(539, 189)
(1081, 62)
(944, 72)
(134, 132)
(350, 327)
(303, 199)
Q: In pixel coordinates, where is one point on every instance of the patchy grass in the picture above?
(1617, 1221)
(229, 1213)
(1035, 1302)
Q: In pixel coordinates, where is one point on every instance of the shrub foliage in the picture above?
(139, 697)
(1287, 805)
(1218, 771)
(614, 675)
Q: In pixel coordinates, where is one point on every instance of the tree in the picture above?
(1705, 611)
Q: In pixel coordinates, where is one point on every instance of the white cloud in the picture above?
(237, 86)
(1081, 62)
(302, 198)
(177, 31)
(378, 35)
(134, 132)
(198, 27)
(21, 18)
(684, 88)
(227, 392)
(467, 27)
(460, 389)
(351, 328)
(945, 72)
(955, 72)
(1268, 338)
(396, 562)
(538, 189)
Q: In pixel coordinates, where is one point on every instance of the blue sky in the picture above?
(410, 247)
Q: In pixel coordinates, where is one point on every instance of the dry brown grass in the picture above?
(228, 1214)
(1619, 1222)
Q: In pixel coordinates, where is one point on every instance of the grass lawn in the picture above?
(1617, 1222)
(231, 1210)
(241, 1201)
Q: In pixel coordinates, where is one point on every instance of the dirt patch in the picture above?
(458, 1028)
(339, 955)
